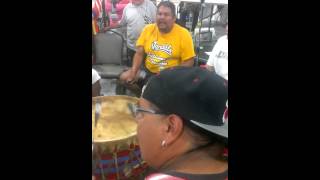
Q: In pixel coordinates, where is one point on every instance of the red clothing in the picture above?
(97, 9)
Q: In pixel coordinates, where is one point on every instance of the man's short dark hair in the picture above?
(170, 5)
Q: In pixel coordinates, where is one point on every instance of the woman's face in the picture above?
(150, 133)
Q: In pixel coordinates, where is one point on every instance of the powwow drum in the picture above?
(116, 154)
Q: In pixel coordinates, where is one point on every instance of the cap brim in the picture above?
(219, 130)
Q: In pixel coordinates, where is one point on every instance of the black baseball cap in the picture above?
(193, 93)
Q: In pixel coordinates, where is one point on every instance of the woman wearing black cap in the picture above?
(181, 130)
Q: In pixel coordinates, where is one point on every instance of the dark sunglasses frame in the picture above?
(135, 109)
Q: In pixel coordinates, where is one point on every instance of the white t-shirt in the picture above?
(95, 76)
(219, 57)
(135, 18)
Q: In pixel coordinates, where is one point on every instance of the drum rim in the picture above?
(125, 96)
(130, 136)
(133, 135)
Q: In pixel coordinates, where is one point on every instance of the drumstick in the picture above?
(130, 106)
(97, 112)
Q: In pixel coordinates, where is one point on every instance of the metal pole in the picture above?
(198, 48)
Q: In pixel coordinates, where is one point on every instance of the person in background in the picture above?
(162, 45)
(114, 10)
(136, 15)
(218, 60)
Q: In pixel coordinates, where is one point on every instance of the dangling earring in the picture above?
(163, 144)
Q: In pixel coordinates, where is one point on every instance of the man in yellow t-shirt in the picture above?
(162, 45)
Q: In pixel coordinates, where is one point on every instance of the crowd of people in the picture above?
(182, 109)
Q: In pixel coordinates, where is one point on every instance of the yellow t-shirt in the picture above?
(168, 49)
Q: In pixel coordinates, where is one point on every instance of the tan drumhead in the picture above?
(115, 121)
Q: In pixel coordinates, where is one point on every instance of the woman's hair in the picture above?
(203, 137)
(200, 135)
(205, 140)
(169, 5)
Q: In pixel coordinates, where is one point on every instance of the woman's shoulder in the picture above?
(161, 176)
(173, 175)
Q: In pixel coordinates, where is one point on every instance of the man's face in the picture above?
(137, 2)
(165, 19)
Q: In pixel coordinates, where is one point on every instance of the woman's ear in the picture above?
(173, 128)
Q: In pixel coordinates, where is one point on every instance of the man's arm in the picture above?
(212, 57)
(137, 59)
(131, 74)
(210, 68)
(188, 63)
(187, 51)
